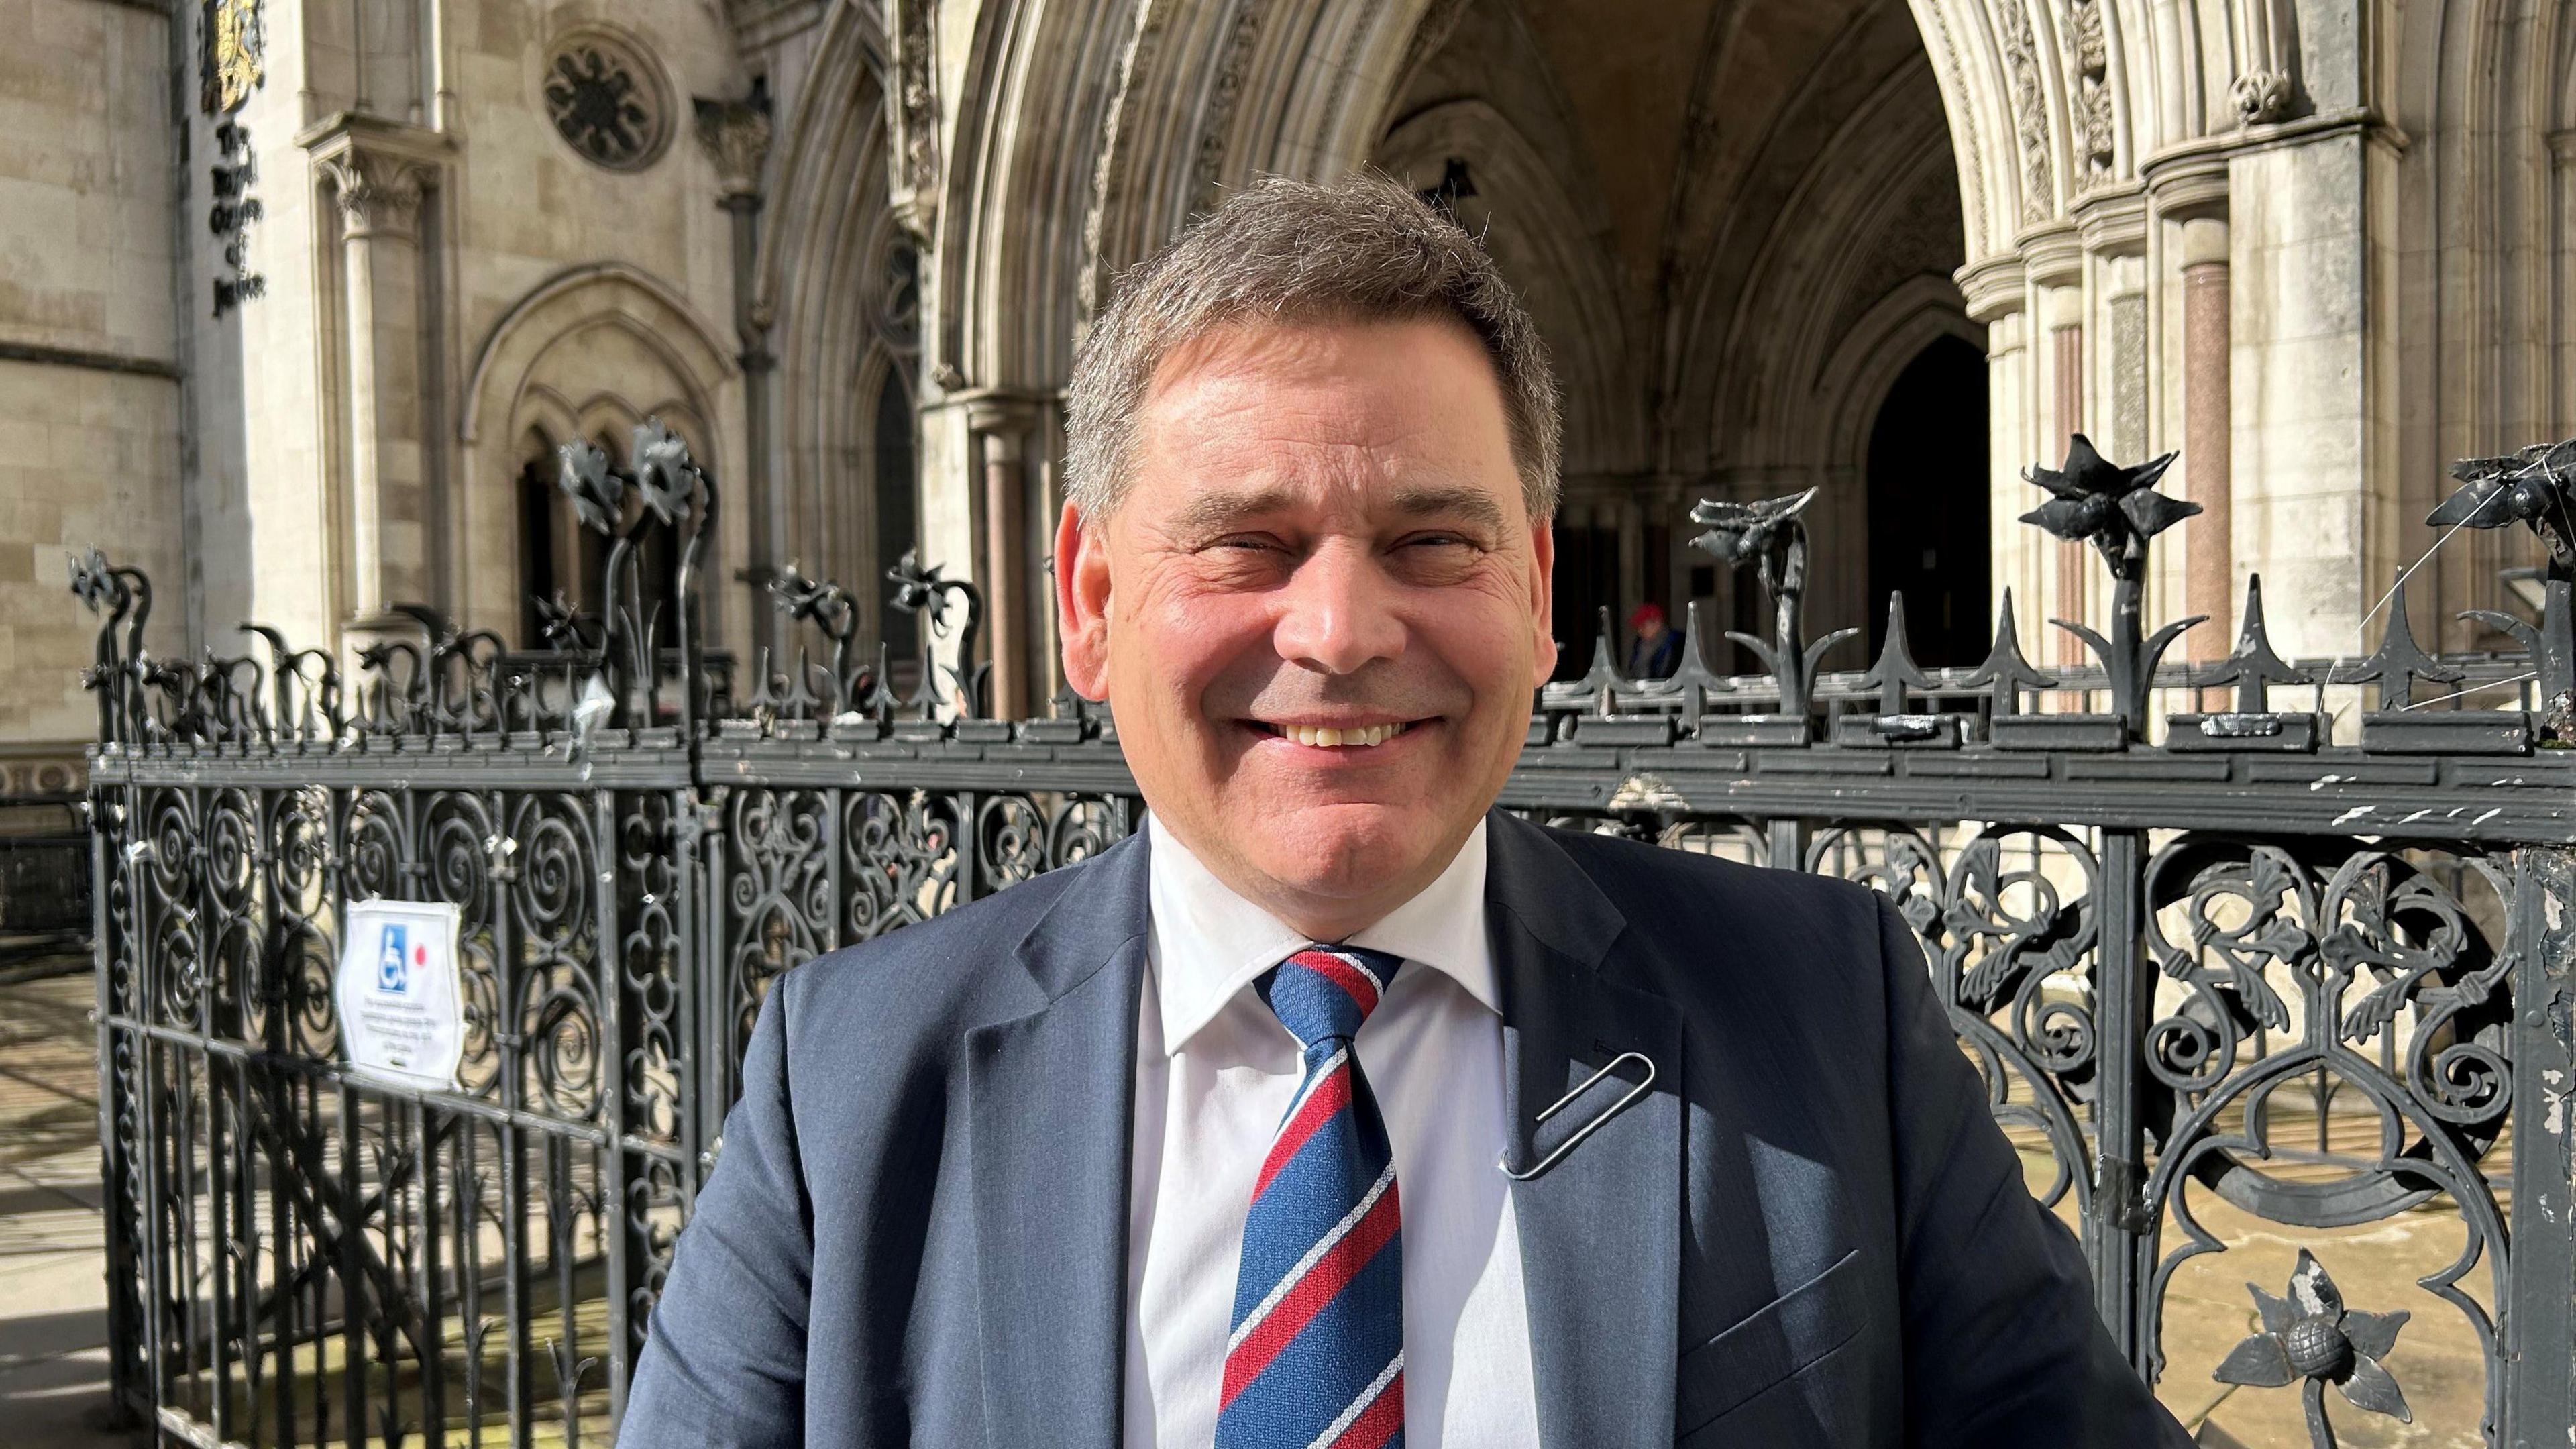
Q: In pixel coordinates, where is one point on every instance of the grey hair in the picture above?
(1364, 249)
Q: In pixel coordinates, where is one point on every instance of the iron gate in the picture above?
(2238, 973)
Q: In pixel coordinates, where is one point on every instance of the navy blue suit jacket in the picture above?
(1807, 1234)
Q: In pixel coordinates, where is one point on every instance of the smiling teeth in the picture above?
(1333, 738)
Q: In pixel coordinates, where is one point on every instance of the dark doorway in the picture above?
(1587, 580)
(898, 516)
(1927, 506)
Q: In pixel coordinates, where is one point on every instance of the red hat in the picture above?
(1647, 613)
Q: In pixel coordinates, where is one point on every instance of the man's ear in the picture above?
(1082, 602)
(1543, 600)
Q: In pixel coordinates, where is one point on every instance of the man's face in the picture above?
(1319, 610)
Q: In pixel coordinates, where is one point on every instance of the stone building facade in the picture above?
(297, 296)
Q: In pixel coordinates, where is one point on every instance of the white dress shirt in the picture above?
(1214, 1073)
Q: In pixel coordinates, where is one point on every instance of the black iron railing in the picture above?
(2232, 984)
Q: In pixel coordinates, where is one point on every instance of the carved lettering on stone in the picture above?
(235, 172)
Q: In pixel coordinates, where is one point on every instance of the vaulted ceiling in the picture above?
(1729, 189)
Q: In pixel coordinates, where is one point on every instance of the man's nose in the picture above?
(1339, 612)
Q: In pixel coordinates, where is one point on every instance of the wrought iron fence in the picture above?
(2231, 984)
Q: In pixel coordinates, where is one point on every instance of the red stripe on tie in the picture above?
(1331, 1095)
(1378, 1422)
(1321, 1285)
(1342, 974)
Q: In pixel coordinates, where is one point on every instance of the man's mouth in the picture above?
(1331, 737)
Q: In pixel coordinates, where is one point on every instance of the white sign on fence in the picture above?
(401, 1014)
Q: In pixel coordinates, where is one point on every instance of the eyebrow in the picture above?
(1214, 513)
(1429, 500)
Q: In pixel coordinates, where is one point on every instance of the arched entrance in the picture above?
(1928, 534)
(1732, 228)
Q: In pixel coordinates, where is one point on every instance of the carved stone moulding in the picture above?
(735, 136)
(2186, 181)
(2053, 254)
(2262, 96)
(1992, 286)
(2112, 221)
(377, 169)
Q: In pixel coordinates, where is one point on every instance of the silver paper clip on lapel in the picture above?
(1587, 1129)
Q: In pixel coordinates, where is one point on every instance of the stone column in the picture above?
(1678, 555)
(2209, 581)
(1998, 301)
(735, 136)
(2312, 356)
(1002, 428)
(1632, 568)
(379, 204)
(2066, 383)
(2562, 194)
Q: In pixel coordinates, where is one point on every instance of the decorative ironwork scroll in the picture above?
(2225, 976)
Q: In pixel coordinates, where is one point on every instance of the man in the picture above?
(1656, 651)
(1231, 1135)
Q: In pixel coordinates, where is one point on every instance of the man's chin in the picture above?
(1345, 851)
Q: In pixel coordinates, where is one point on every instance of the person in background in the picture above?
(1657, 650)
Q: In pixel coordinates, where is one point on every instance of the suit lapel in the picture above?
(1600, 1230)
(1050, 1095)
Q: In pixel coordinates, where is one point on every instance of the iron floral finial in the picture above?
(1768, 535)
(923, 590)
(665, 475)
(1742, 533)
(2312, 1337)
(2115, 509)
(2536, 486)
(597, 492)
(828, 607)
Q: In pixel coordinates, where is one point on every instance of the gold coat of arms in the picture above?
(234, 46)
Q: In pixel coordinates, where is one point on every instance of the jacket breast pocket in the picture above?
(1774, 1342)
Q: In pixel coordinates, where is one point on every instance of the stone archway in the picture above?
(593, 347)
(1733, 230)
(839, 288)
(2069, 254)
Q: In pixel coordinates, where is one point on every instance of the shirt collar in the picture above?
(1207, 943)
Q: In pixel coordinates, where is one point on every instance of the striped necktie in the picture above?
(1316, 1356)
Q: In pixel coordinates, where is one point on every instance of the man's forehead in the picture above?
(1322, 416)
(1217, 505)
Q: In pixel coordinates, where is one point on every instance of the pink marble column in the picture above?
(2066, 364)
(2209, 582)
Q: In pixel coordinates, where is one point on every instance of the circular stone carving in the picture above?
(607, 100)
